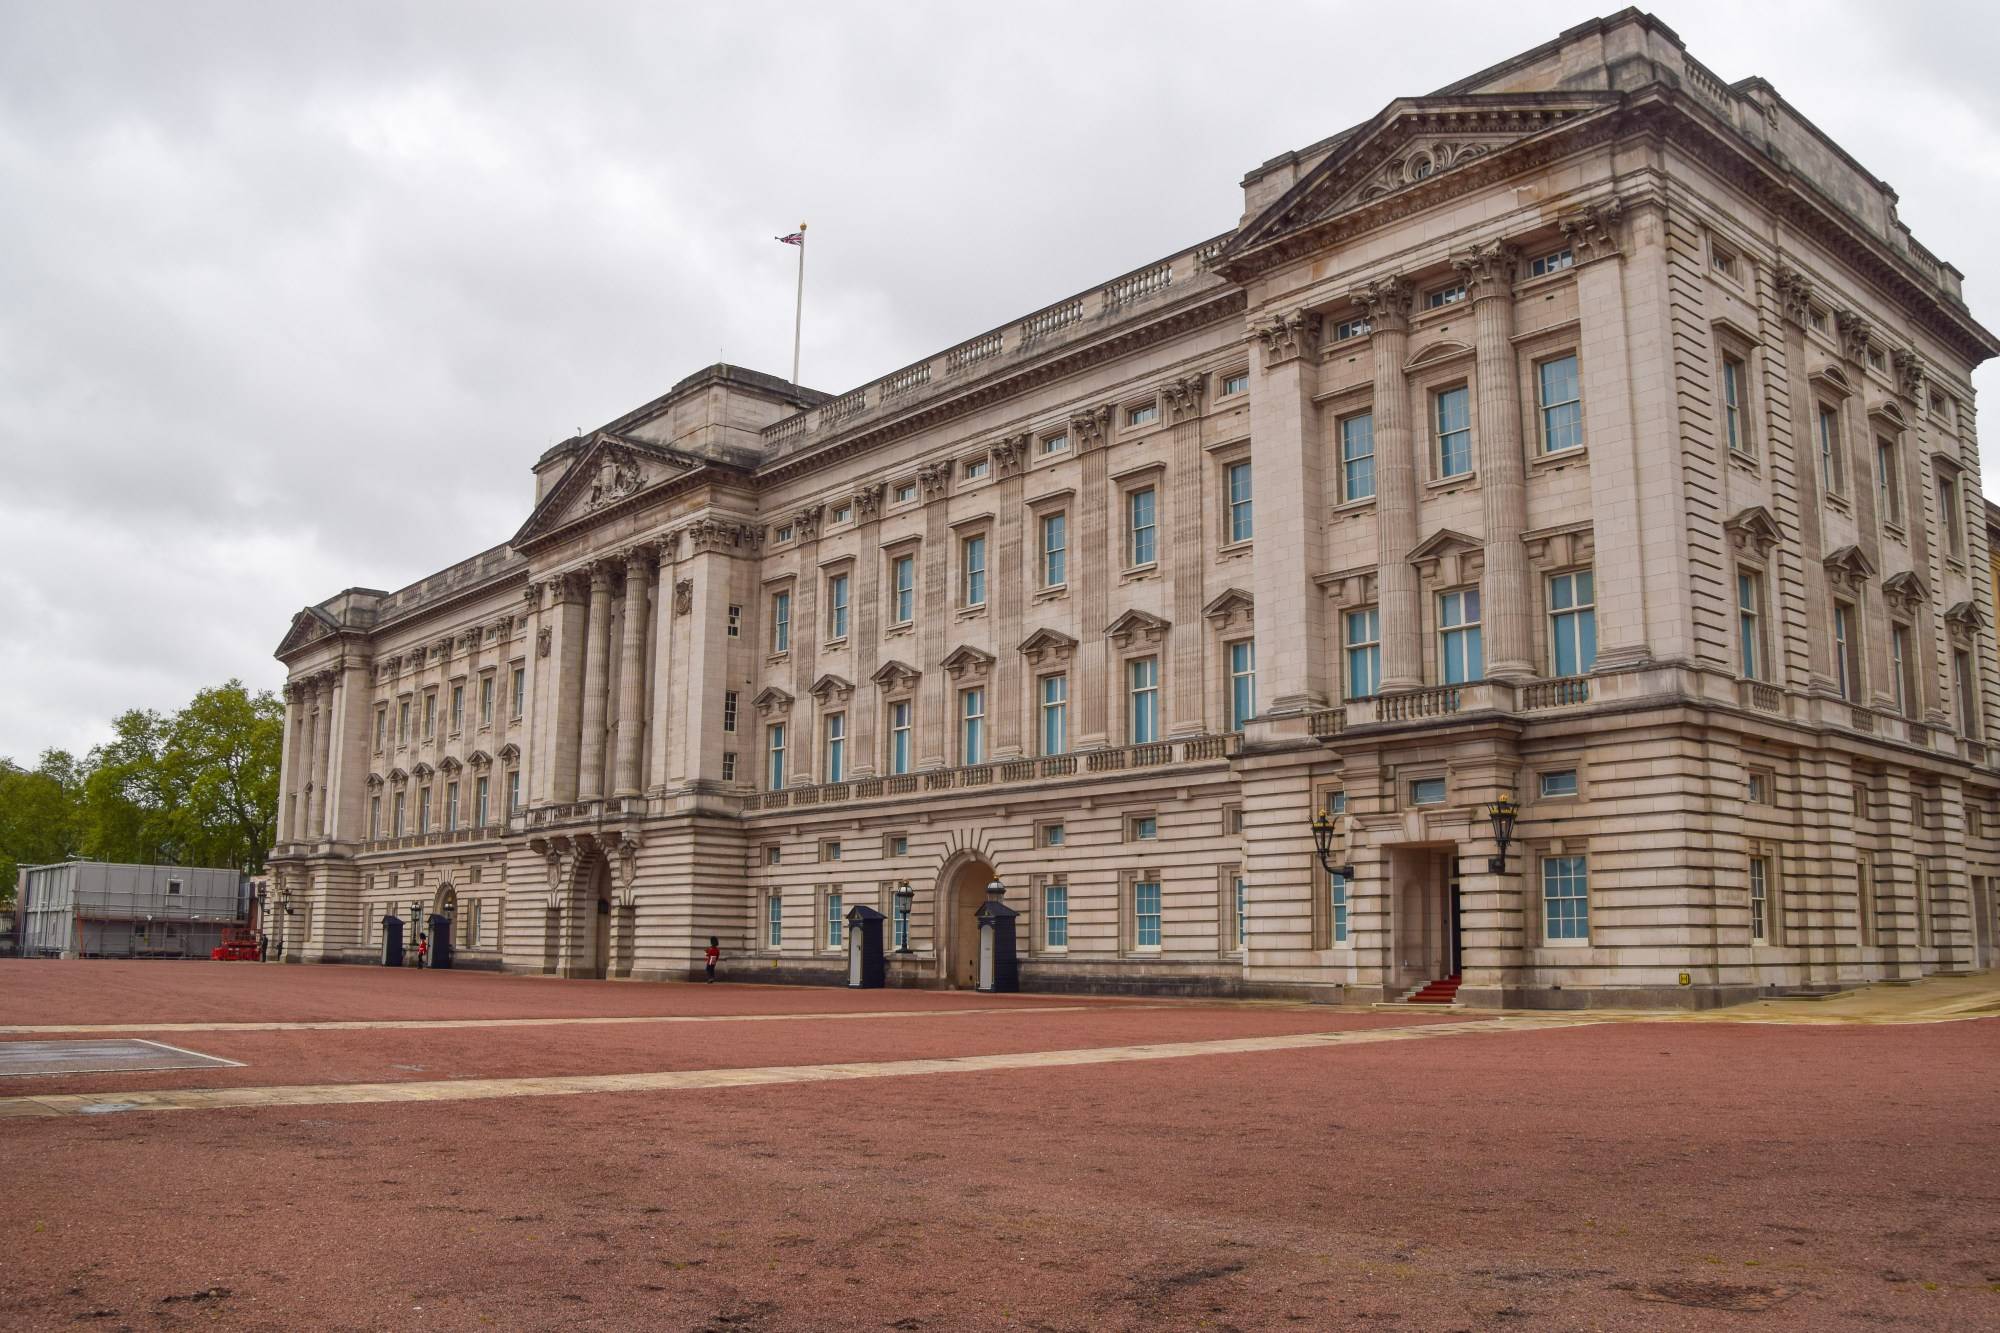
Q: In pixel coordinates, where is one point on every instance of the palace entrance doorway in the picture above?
(962, 892)
(1428, 929)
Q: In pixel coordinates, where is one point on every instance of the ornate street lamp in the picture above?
(1323, 827)
(1502, 814)
(905, 897)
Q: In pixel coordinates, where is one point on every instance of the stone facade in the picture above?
(1589, 432)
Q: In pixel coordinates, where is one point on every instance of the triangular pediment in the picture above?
(1048, 645)
(1229, 604)
(893, 674)
(510, 754)
(1848, 568)
(1904, 590)
(308, 626)
(609, 470)
(1965, 618)
(967, 660)
(1419, 145)
(1136, 626)
(1753, 531)
(773, 700)
(1443, 542)
(830, 686)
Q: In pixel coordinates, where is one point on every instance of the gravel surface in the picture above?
(1623, 1176)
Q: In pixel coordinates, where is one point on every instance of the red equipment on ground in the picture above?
(239, 944)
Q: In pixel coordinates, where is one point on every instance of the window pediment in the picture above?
(510, 754)
(1437, 353)
(772, 700)
(1349, 587)
(831, 688)
(1888, 413)
(1136, 626)
(479, 760)
(397, 777)
(1561, 548)
(1905, 591)
(449, 765)
(1965, 620)
(374, 782)
(1231, 609)
(1047, 645)
(1848, 568)
(894, 675)
(1832, 381)
(965, 662)
(1449, 557)
(423, 772)
(1753, 532)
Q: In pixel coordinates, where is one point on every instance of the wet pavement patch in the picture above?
(100, 1057)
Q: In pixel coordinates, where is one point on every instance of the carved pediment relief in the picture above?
(449, 765)
(1753, 532)
(1832, 381)
(1046, 646)
(374, 782)
(1448, 557)
(1904, 592)
(1847, 568)
(1444, 349)
(894, 675)
(1232, 609)
(773, 701)
(423, 772)
(608, 469)
(397, 777)
(510, 754)
(479, 760)
(830, 688)
(966, 661)
(1135, 626)
(309, 626)
(1965, 620)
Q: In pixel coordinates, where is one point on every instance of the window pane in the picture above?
(1146, 913)
(1142, 527)
(1357, 456)
(1565, 898)
(1454, 432)
(1562, 406)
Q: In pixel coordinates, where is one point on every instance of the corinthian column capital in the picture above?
(1385, 303)
(1487, 270)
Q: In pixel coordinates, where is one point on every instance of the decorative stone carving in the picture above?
(806, 521)
(1288, 336)
(831, 688)
(683, 596)
(1487, 269)
(1233, 609)
(714, 534)
(618, 475)
(1909, 372)
(1088, 429)
(543, 638)
(1795, 293)
(966, 661)
(1904, 592)
(1964, 621)
(1183, 395)
(1136, 627)
(868, 501)
(1753, 532)
(894, 675)
(1847, 569)
(1046, 646)
(1854, 334)
(1593, 230)
(1010, 455)
(1384, 303)
(1448, 557)
(933, 478)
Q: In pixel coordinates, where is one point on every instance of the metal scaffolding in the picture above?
(93, 909)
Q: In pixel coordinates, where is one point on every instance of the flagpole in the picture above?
(799, 310)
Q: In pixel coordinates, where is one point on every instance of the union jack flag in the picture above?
(796, 238)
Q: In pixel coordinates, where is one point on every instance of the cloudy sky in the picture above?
(291, 294)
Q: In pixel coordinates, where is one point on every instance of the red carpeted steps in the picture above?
(1443, 991)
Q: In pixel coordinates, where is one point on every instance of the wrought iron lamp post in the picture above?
(905, 897)
(1502, 814)
(1323, 827)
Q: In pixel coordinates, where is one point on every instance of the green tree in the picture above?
(219, 761)
(38, 815)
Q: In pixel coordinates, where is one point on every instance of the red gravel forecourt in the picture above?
(1622, 1175)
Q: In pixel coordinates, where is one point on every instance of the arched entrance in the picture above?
(443, 925)
(961, 890)
(597, 961)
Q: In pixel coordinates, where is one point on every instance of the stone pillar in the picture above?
(668, 601)
(1186, 558)
(1092, 575)
(632, 675)
(1870, 608)
(1919, 512)
(1794, 293)
(596, 686)
(802, 755)
(288, 780)
(562, 685)
(1006, 575)
(1385, 303)
(935, 732)
(322, 756)
(864, 593)
(1286, 466)
(1508, 610)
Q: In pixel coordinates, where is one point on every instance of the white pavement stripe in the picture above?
(362, 1025)
(333, 1094)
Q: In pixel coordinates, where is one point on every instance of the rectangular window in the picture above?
(735, 622)
(972, 557)
(976, 468)
(375, 816)
(402, 722)
(972, 726)
(1953, 515)
(457, 709)
(1444, 296)
(1966, 696)
(1146, 913)
(899, 736)
(1055, 444)
(1453, 414)
(1144, 415)
(774, 745)
(397, 815)
(1902, 678)
(899, 923)
(1055, 916)
(903, 590)
(774, 855)
(729, 710)
(899, 844)
(1888, 481)
(1750, 624)
(1722, 262)
(1055, 714)
(1145, 828)
(1846, 653)
(1553, 262)
(842, 514)
(1055, 550)
(833, 921)
(774, 921)
(1561, 403)
(1352, 328)
(781, 622)
(513, 790)
(481, 805)
(1735, 398)
(1337, 903)
(729, 765)
(1760, 904)
(1357, 456)
(1461, 657)
(782, 535)
(520, 691)
(1757, 787)
(906, 492)
(423, 811)
(1831, 474)
(473, 923)
(430, 713)
(1364, 652)
(485, 700)
(451, 807)
(836, 747)
(1562, 782)
(1572, 624)
(1427, 791)
(1140, 527)
(836, 607)
(1142, 677)
(1238, 485)
(1235, 384)
(1240, 893)
(381, 727)
(1565, 898)
(1242, 683)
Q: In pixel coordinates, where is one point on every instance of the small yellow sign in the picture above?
(1686, 980)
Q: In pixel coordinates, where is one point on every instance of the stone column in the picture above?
(1919, 511)
(1385, 303)
(864, 592)
(1005, 578)
(1508, 610)
(632, 675)
(1870, 607)
(802, 755)
(1795, 299)
(322, 755)
(1186, 558)
(668, 601)
(1092, 575)
(596, 686)
(1286, 465)
(935, 732)
(288, 780)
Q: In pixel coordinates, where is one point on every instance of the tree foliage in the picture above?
(198, 787)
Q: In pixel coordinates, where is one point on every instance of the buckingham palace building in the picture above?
(1582, 453)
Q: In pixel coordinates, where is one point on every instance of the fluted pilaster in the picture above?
(596, 686)
(632, 676)
(1508, 613)
(1386, 305)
